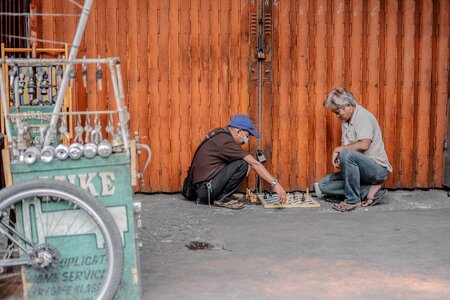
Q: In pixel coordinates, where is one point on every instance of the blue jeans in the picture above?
(358, 173)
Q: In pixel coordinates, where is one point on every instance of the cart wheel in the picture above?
(64, 239)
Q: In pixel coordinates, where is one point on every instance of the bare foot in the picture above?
(369, 198)
(373, 190)
(345, 206)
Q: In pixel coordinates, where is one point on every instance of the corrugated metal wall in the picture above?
(189, 64)
(14, 25)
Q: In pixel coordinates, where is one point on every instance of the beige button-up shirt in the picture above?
(363, 125)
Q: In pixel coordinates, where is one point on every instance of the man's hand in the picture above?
(335, 159)
(281, 193)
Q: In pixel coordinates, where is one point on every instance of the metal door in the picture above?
(446, 179)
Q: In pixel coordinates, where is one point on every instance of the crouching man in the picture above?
(220, 164)
(361, 159)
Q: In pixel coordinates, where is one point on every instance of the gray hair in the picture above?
(339, 98)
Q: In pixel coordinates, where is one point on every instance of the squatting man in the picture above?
(361, 159)
(220, 164)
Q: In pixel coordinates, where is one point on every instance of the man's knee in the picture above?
(241, 165)
(324, 183)
(346, 155)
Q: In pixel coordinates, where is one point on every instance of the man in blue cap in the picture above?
(220, 164)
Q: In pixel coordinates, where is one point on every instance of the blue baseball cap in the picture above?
(245, 123)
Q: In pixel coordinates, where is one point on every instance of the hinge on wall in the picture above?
(445, 144)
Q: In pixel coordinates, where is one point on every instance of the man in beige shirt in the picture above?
(361, 159)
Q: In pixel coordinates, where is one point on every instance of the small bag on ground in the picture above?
(188, 190)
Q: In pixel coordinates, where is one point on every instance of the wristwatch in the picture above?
(274, 182)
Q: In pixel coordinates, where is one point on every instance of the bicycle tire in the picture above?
(82, 208)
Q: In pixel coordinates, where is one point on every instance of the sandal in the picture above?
(377, 199)
(231, 204)
(344, 207)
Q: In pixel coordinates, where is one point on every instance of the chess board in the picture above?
(296, 199)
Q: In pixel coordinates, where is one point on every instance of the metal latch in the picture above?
(260, 155)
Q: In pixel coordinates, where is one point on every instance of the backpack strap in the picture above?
(209, 136)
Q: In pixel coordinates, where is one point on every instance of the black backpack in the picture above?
(188, 190)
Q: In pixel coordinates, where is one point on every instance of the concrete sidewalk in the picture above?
(396, 250)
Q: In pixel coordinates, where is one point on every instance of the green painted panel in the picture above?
(82, 266)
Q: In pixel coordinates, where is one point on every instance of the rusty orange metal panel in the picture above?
(424, 95)
(373, 66)
(283, 101)
(406, 121)
(132, 63)
(244, 54)
(336, 69)
(442, 88)
(185, 92)
(174, 96)
(389, 84)
(214, 66)
(301, 111)
(142, 101)
(234, 58)
(153, 91)
(224, 60)
(253, 83)
(319, 136)
(185, 66)
(164, 109)
(47, 30)
(356, 48)
(294, 96)
(205, 55)
(276, 80)
(196, 117)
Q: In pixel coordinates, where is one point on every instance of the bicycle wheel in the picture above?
(57, 242)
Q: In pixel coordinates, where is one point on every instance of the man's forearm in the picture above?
(360, 146)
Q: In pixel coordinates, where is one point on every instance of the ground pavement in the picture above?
(397, 250)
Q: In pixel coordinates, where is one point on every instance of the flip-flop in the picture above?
(378, 198)
(332, 200)
(232, 204)
(346, 208)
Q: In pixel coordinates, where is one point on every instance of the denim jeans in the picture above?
(225, 182)
(358, 173)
